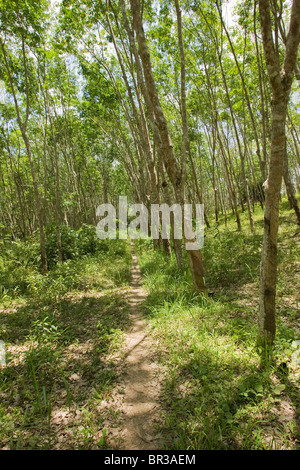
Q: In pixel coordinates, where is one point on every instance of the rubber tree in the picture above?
(280, 77)
(175, 167)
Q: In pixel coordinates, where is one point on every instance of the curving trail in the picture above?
(139, 402)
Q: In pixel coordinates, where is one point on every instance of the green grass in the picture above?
(63, 334)
(216, 393)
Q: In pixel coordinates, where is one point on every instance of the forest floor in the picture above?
(81, 370)
(101, 355)
(138, 391)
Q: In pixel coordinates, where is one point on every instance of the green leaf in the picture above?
(278, 389)
(259, 388)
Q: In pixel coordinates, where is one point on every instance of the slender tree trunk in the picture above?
(175, 172)
(281, 80)
(57, 209)
(254, 126)
(290, 190)
(23, 127)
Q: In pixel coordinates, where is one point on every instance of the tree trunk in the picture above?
(281, 81)
(175, 172)
(23, 126)
(268, 270)
(290, 190)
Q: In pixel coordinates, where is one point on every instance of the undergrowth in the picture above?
(63, 333)
(217, 391)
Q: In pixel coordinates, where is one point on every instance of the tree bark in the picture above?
(281, 81)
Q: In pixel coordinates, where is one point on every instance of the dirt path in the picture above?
(139, 397)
